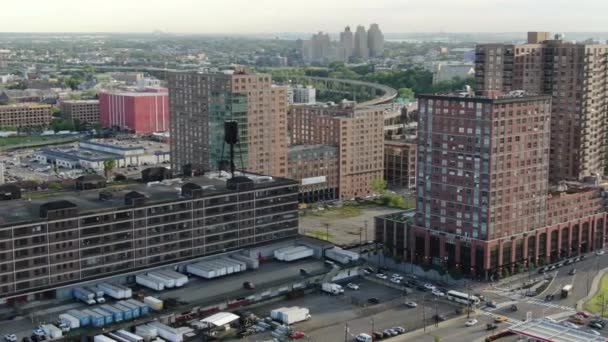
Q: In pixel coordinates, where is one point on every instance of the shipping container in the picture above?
(154, 303)
(112, 290)
(127, 290)
(135, 310)
(340, 255)
(143, 308)
(180, 279)
(108, 316)
(130, 337)
(70, 321)
(127, 313)
(301, 254)
(97, 320)
(116, 313)
(167, 281)
(280, 253)
(241, 266)
(51, 331)
(202, 270)
(251, 263)
(84, 318)
(150, 282)
(166, 332)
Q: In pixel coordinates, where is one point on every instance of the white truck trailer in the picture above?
(149, 282)
(332, 288)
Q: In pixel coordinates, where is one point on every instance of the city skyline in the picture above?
(271, 16)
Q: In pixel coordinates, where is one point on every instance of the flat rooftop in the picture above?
(27, 208)
(401, 216)
(543, 330)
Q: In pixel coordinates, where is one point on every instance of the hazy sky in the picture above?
(265, 16)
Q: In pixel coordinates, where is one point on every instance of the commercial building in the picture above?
(137, 112)
(81, 110)
(483, 198)
(201, 102)
(75, 236)
(400, 161)
(303, 94)
(575, 75)
(25, 115)
(357, 132)
(393, 231)
(91, 154)
(317, 169)
(375, 41)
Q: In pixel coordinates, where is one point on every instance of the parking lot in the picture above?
(331, 314)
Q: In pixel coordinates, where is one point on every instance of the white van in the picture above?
(364, 338)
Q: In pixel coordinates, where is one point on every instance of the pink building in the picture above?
(139, 112)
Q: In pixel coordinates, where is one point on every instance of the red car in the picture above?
(297, 335)
(584, 314)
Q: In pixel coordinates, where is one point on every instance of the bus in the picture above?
(566, 291)
(463, 298)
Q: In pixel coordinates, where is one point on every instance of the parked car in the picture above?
(570, 325)
(595, 325)
(369, 269)
(389, 332)
(10, 338)
(584, 314)
(471, 322)
(549, 297)
(411, 304)
(439, 317)
(381, 276)
(491, 304)
(397, 276)
(600, 252)
(572, 271)
(378, 335)
(373, 300)
(364, 338)
(399, 330)
(297, 335)
(352, 286)
(429, 287)
(594, 332)
(514, 307)
(249, 285)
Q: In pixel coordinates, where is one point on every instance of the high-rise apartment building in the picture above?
(375, 41)
(575, 75)
(347, 43)
(357, 132)
(138, 112)
(483, 197)
(4, 59)
(201, 102)
(361, 48)
(81, 110)
(303, 94)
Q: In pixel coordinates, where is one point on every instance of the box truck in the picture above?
(85, 296)
(112, 290)
(51, 331)
(98, 294)
(332, 288)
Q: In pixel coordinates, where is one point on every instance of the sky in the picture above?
(273, 16)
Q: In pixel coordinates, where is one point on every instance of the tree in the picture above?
(120, 177)
(407, 93)
(378, 185)
(108, 165)
(56, 112)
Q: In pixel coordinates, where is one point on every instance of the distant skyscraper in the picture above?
(4, 59)
(574, 74)
(347, 43)
(361, 49)
(201, 102)
(375, 41)
(321, 47)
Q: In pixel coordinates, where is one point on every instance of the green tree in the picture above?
(379, 185)
(108, 166)
(406, 93)
(56, 112)
(437, 339)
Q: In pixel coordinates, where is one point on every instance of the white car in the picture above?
(438, 293)
(397, 276)
(600, 252)
(549, 319)
(381, 276)
(570, 325)
(429, 287)
(471, 322)
(411, 304)
(395, 280)
(10, 338)
(364, 338)
(352, 286)
(38, 332)
(594, 332)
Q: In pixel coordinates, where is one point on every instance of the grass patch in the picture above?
(320, 234)
(601, 296)
(8, 143)
(345, 211)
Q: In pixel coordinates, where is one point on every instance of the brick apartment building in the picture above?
(400, 161)
(575, 75)
(357, 132)
(137, 112)
(81, 110)
(201, 102)
(483, 197)
(77, 236)
(316, 167)
(25, 115)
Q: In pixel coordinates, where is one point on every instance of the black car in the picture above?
(249, 285)
(491, 326)
(572, 271)
(378, 335)
(369, 269)
(421, 287)
(303, 272)
(373, 300)
(549, 297)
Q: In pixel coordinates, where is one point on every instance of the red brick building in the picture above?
(138, 112)
(483, 197)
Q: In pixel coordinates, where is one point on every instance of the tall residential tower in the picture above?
(375, 41)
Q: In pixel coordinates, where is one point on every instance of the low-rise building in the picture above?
(400, 159)
(81, 110)
(75, 236)
(25, 115)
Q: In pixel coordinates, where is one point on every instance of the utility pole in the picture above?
(366, 239)
(360, 237)
(436, 313)
(373, 328)
(468, 300)
(423, 314)
(346, 332)
(326, 231)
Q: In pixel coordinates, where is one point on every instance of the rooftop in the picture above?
(514, 96)
(136, 94)
(400, 216)
(88, 201)
(543, 330)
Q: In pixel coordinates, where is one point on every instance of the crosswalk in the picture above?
(549, 305)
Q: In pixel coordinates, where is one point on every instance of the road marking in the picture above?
(550, 305)
(493, 315)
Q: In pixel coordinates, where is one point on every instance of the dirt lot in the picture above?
(345, 223)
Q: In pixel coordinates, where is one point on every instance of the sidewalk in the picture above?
(594, 287)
